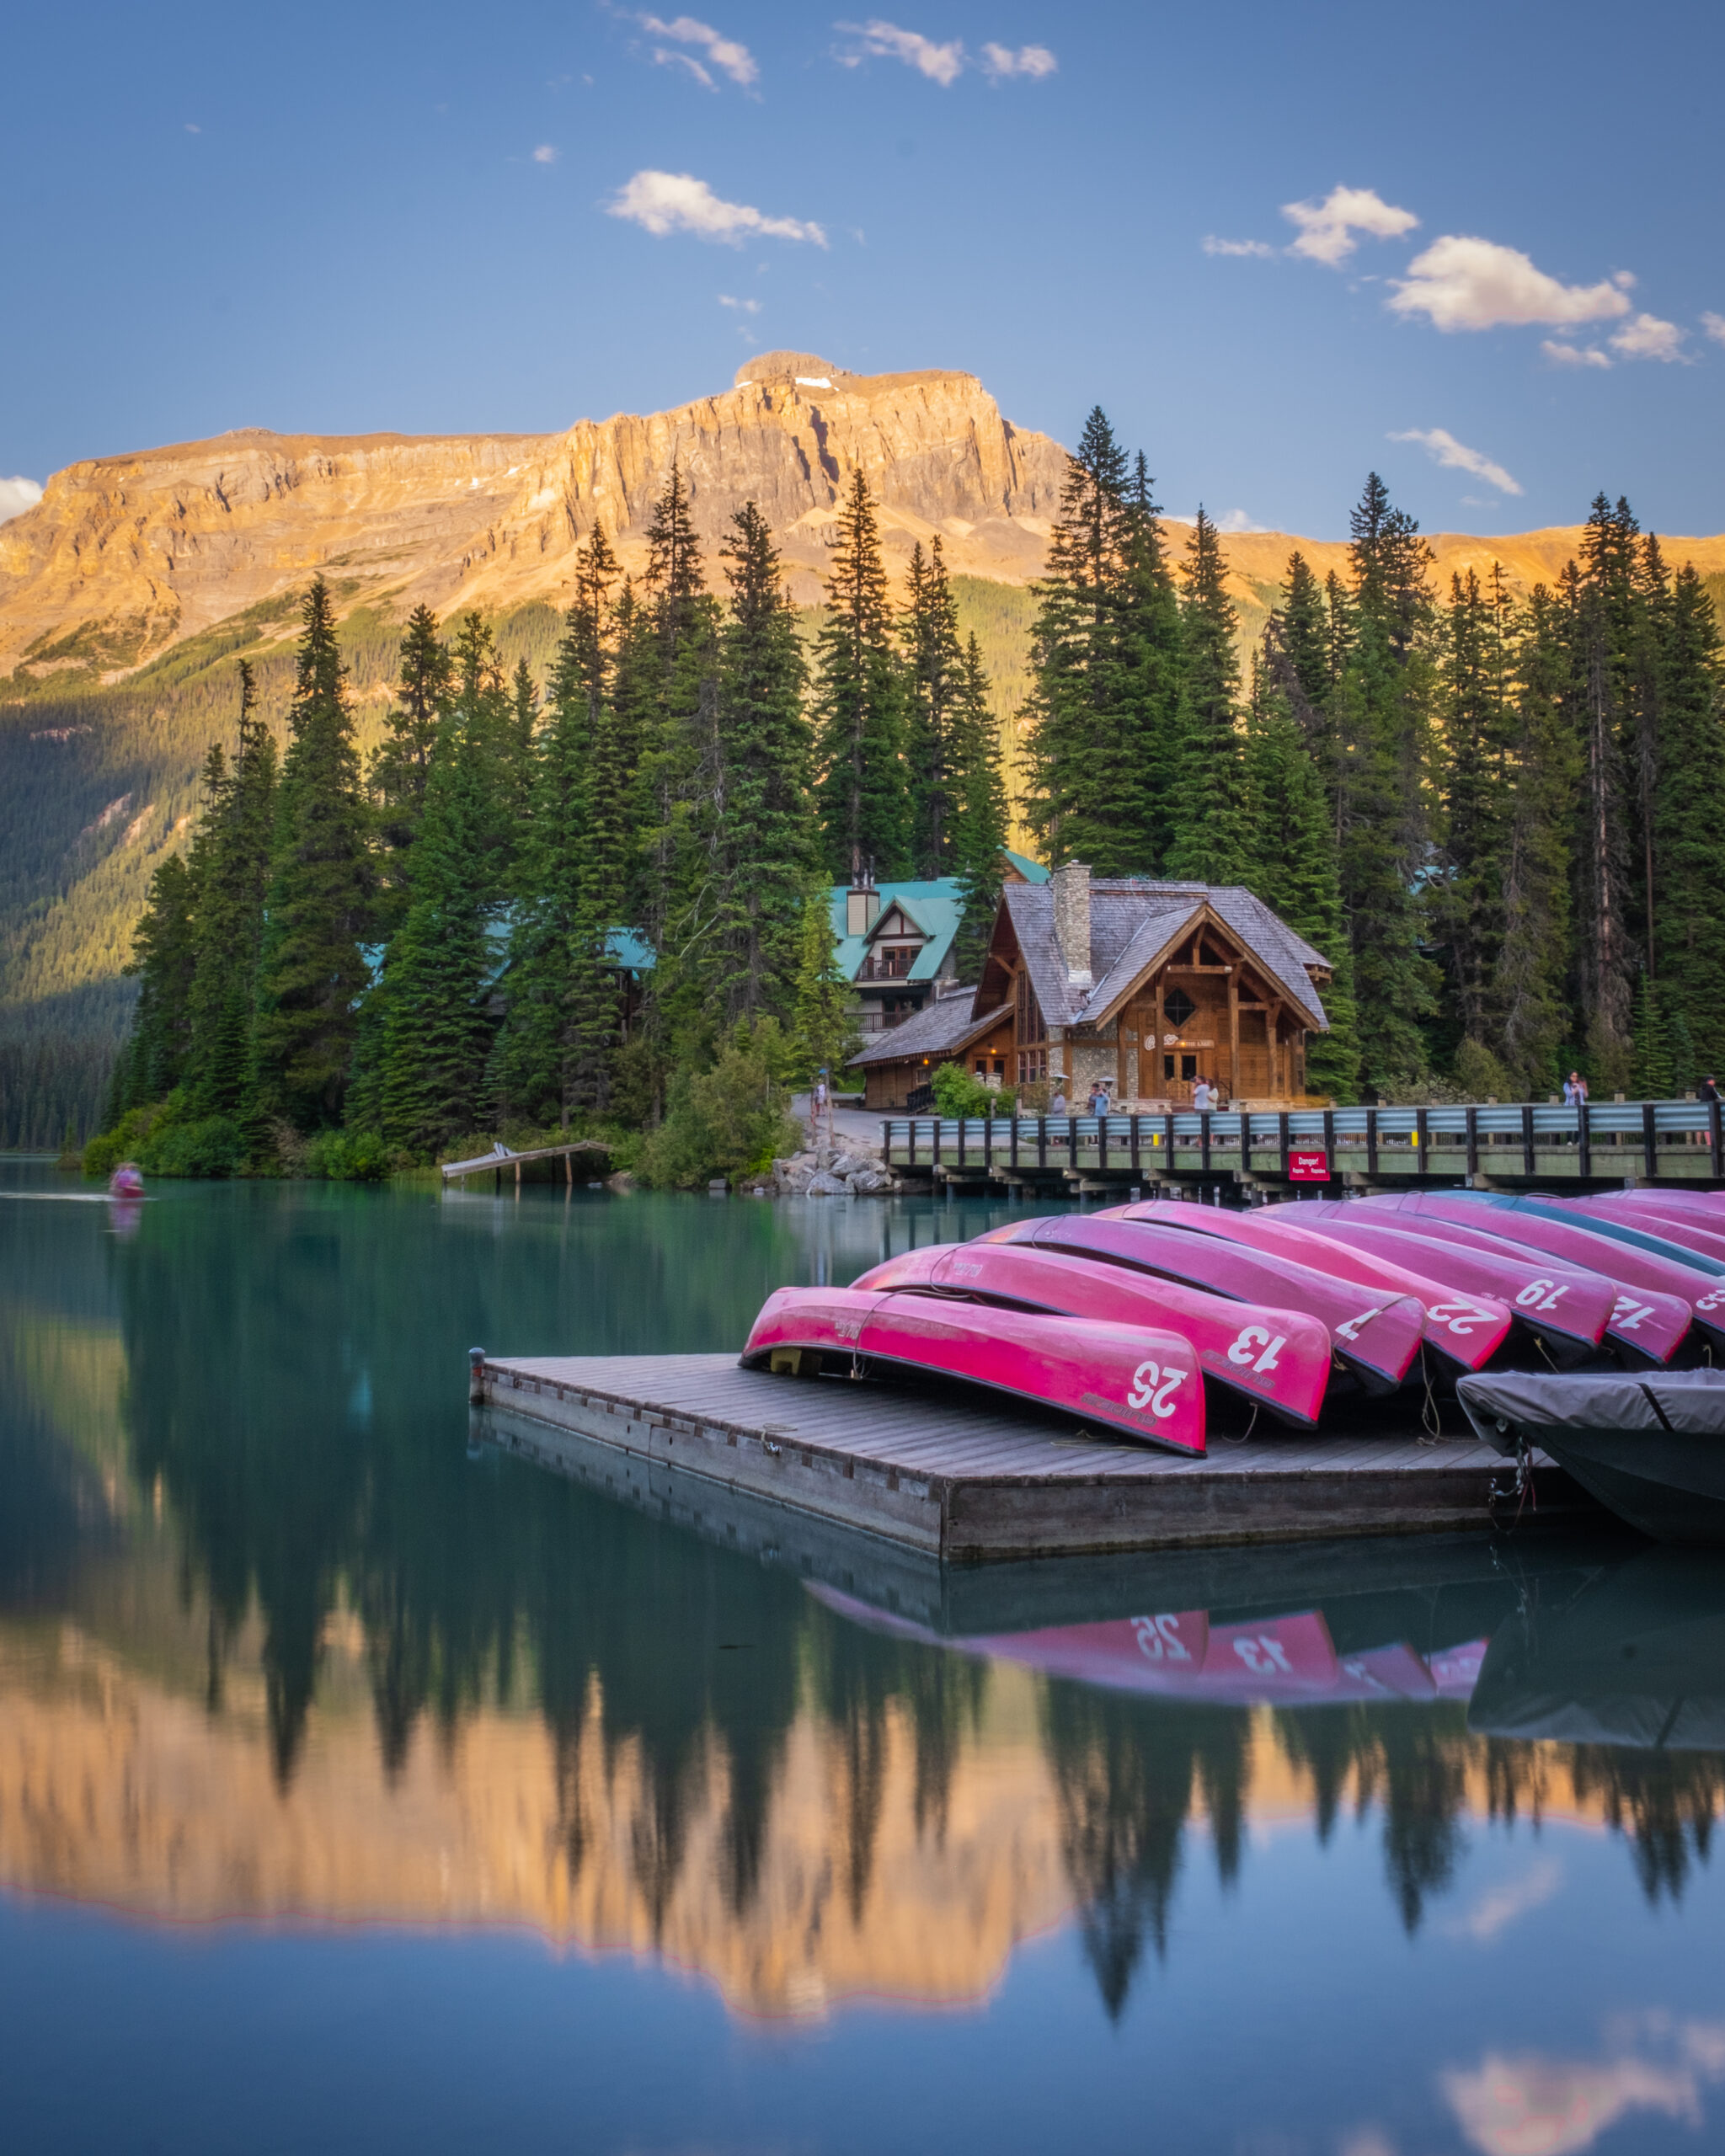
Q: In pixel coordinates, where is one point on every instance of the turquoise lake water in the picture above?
(364, 1786)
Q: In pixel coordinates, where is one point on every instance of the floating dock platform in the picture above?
(956, 1479)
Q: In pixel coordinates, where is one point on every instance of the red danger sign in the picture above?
(1308, 1167)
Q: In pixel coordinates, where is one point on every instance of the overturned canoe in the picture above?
(1375, 1337)
(1279, 1359)
(1564, 1308)
(1651, 1447)
(1463, 1330)
(1702, 1231)
(1143, 1383)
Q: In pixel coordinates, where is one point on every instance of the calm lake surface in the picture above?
(363, 1787)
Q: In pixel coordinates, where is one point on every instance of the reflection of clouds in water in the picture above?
(1532, 2105)
(1366, 2141)
(1501, 1906)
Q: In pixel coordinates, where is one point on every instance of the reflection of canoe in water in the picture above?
(1651, 1446)
(1276, 1359)
(1637, 1658)
(1374, 1336)
(1463, 1330)
(1139, 1382)
(1280, 1661)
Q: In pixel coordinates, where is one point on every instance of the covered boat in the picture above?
(1375, 1337)
(1463, 1330)
(1639, 1261)
(1279, 1359)
(1651, 1447)
(1142, 1382)
(1566, 1310)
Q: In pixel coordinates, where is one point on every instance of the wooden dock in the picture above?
(500, 1157)
(958, 1480)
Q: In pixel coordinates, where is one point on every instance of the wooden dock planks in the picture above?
(960, 1480)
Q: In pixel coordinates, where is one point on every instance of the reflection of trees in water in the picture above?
(1667, 1802)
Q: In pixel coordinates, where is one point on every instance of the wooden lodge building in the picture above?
(1146, 987)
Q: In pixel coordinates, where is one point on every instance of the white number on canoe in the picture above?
(1541, 1295)
(1256, 1336)
(1350, 1328)
(1159, 1639)
(1714, 1301)
(1460, 1318)
(1263, 1656)
(1628, 1314)
(1153, 1387)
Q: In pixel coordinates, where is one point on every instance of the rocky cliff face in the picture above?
(126, 555)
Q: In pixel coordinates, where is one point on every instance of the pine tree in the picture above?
(402, 763)
(1477, 721)
(1210, 843)
(933, 668)
(1102, 717)
(1688, 821)
(1650, 1065)
(864, 790)
(766, 845)
(320, 907)
(821, 1023)
(164, 961)
(230, 928)
(979, 825)
(1533, 959)
(1606, 627)
(1306, 631)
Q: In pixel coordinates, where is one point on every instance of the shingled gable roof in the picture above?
(1132, 922)
(950, 1022)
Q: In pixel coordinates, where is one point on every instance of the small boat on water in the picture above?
(126, 1181)
(1650, 1446)
(1279, 1359)
(1638, 1260)
(1375, 1337)
(1463, 1330)
(1568, 1315)
(1129, 1379)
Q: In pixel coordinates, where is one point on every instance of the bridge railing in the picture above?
(1677, 1140)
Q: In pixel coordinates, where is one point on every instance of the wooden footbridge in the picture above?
(500, 1158)
(1519, 1147)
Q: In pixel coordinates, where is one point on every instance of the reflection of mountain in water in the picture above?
(356, 1675)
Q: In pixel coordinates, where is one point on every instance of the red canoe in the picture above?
(1569, 1315)
(1464, 1330)
(1577, 1240)
(1277, 1358)
(1645, 1326)
(1141, 1382)
(1375, 1337)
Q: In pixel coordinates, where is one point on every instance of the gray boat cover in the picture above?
(1691, 1402)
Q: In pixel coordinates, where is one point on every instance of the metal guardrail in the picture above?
(1681, 1141)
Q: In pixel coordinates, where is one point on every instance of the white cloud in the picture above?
(1237, 520)
(662, 202)
(724, 53)
(1573, 355)
(941, 63)
(1501, 1906)
(193, 128)
(661, 58)
(16, 496)
(1475, 284)
(1714, 325)
(1536, 2105)
(1035, 61)
(742, 306)
(1647, 338)
(545, 154)
(1212, 245)
(1327, 228)
(1442, 446)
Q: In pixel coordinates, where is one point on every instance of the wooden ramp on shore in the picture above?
(958, 1478)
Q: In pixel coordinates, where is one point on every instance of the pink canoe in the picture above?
(1277, 1358)
(1697, 1229)
(1375, 1337)
(1580, 1240)
(1644, 1326)
(1464, 1330)
(1141, 1382)
(1569, 1315)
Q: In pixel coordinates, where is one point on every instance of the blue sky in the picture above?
(344, 220)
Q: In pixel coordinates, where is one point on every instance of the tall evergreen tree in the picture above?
(1477, 723)
(1688, 823)
(230, 927)
(164, 961)
(401, 764)
(863, 790)
(1307, 631)
(312, 973)
(1605, 632)
(1533, 959)
(767, 845)
(980, 820)
(933, 672)
(1103, 713)
(821, 1023)
(1210, 843)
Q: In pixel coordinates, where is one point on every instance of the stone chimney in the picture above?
(1071, 889)
(862, 900)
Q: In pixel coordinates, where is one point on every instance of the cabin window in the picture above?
(1028, 1012)
(1179, 1007)
(1033, 1065)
